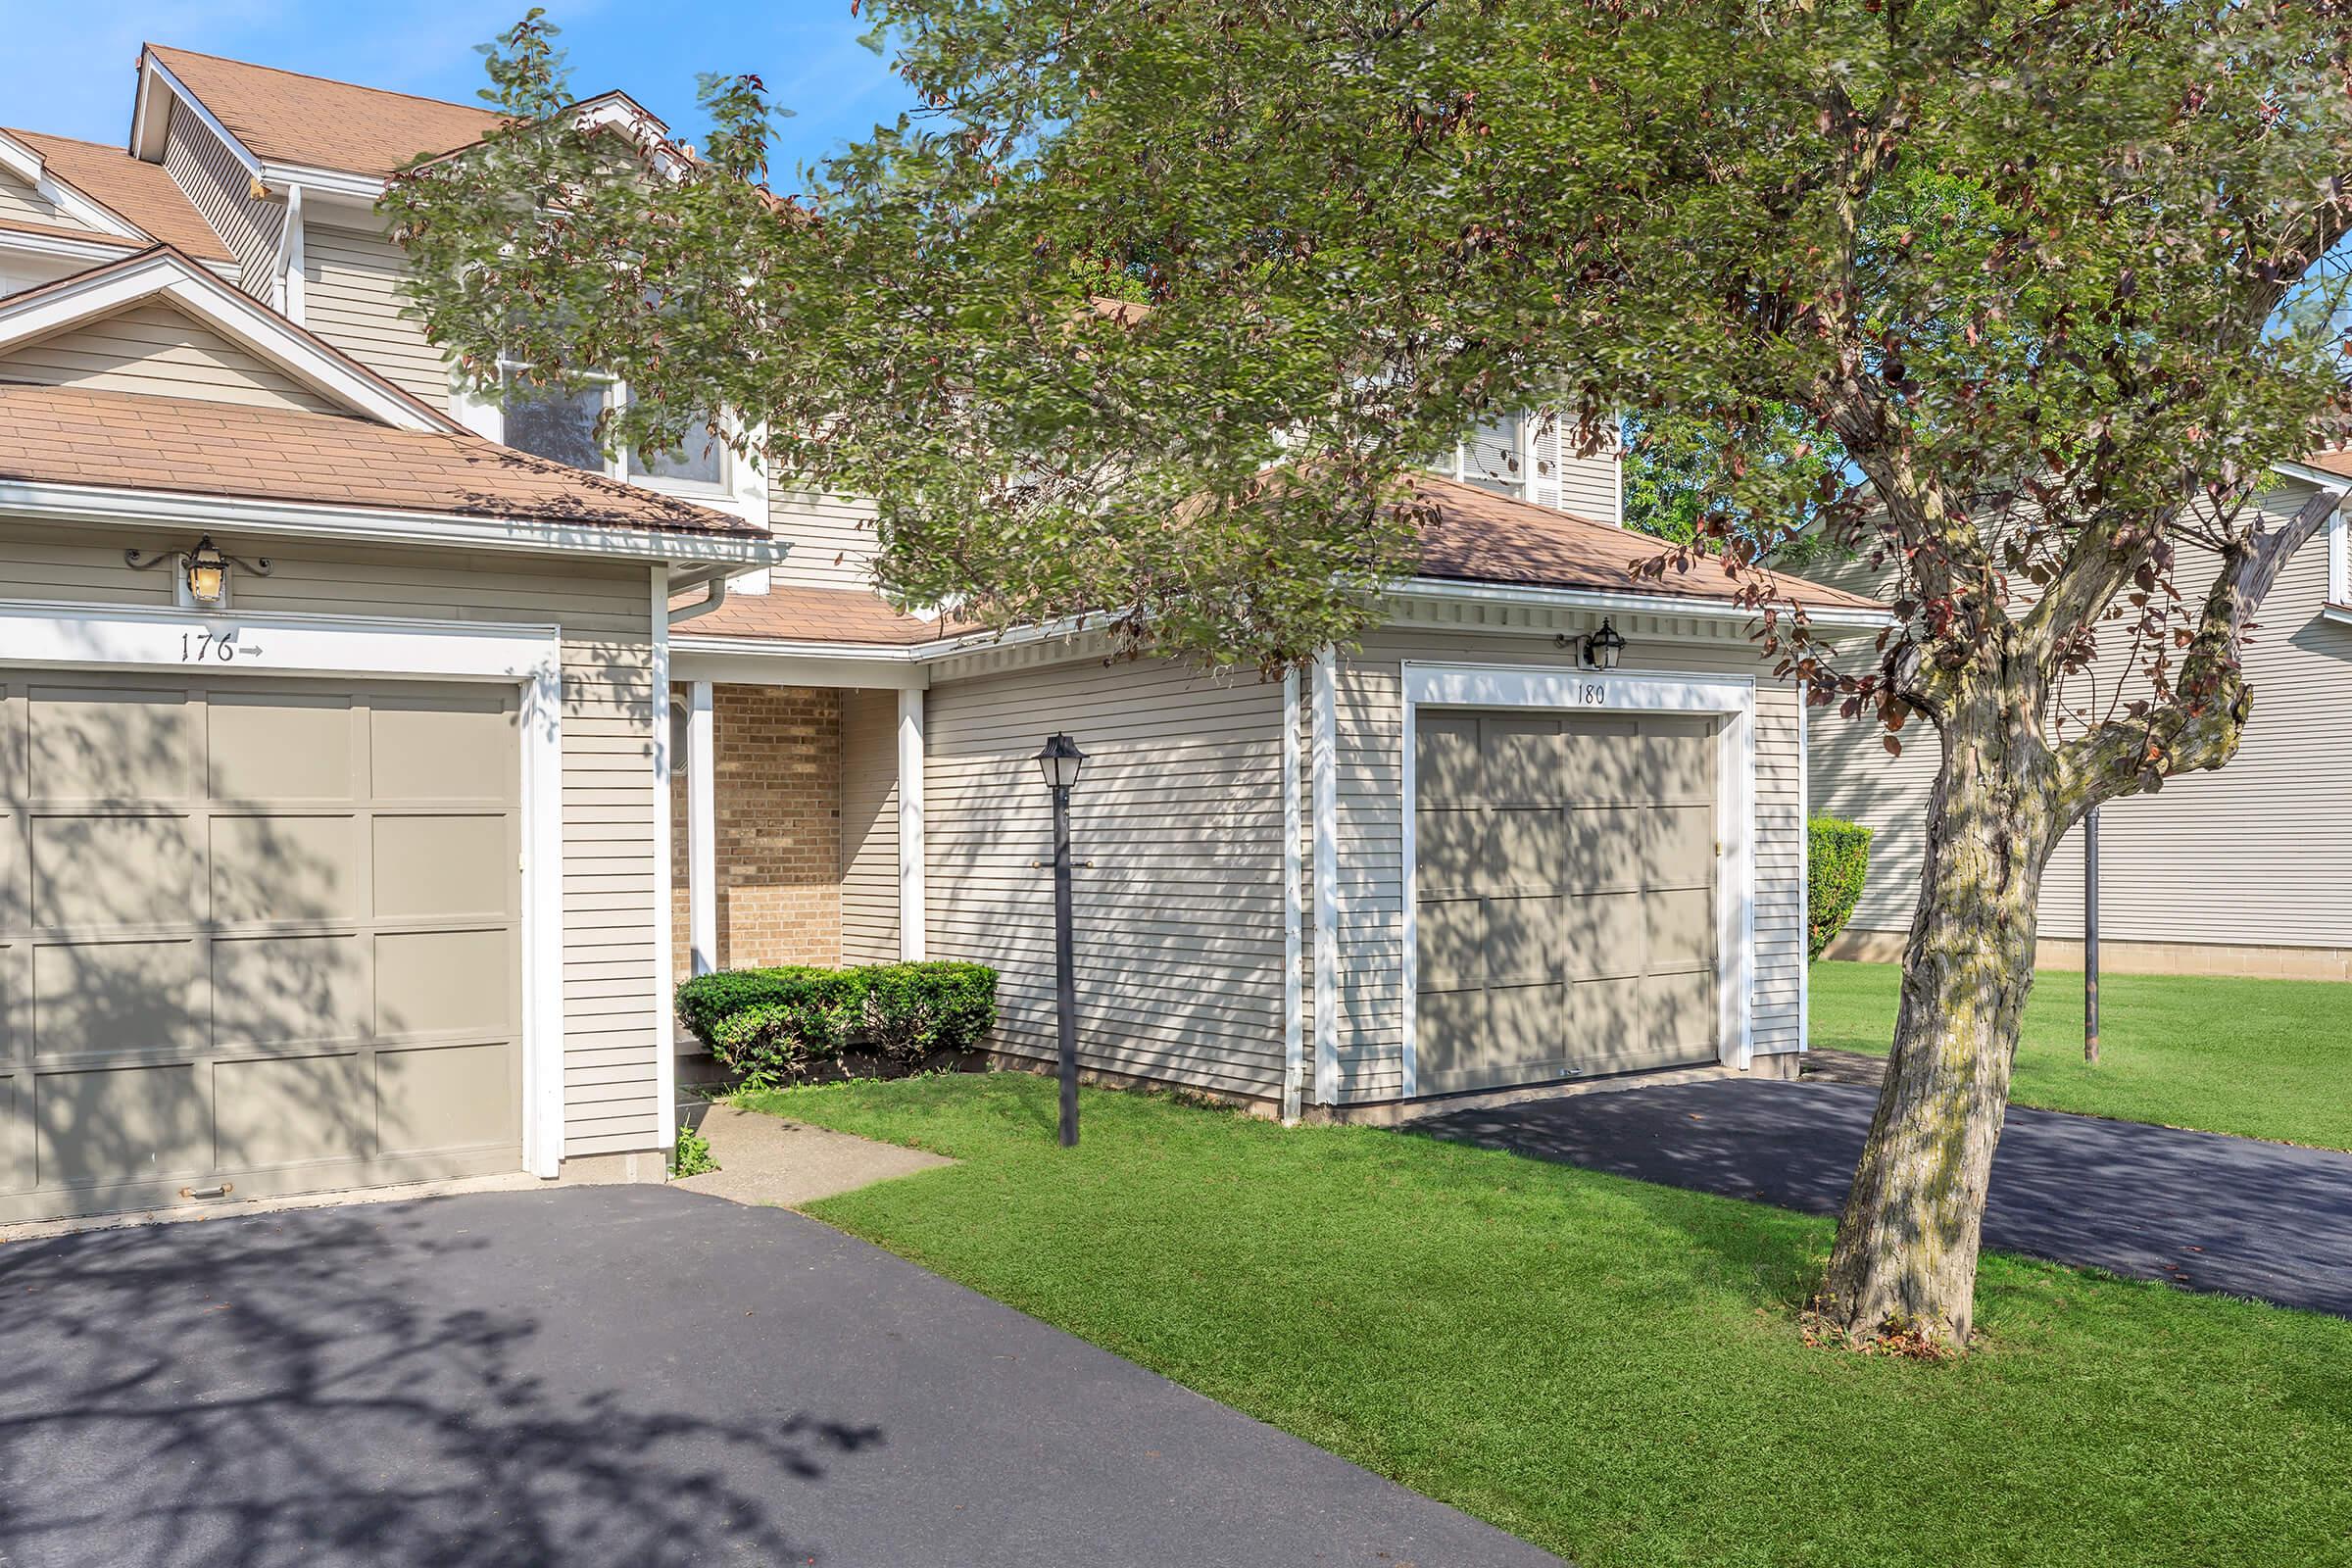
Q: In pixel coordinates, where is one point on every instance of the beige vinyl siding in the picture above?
(222, 189)
(1584, 483)
(1179, 915)
(352, 297)
(157, 349)
(1369, 936)
(19, 203)
(832, 537)
(604, 614)
(2256, 854)
(869, 827)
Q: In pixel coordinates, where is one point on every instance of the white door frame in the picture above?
(1563, 689)
(127, 637)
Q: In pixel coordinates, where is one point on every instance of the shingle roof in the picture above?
(846, 616)
(1479, 536)
(73, 435)
(287, 118)
(2336, 461)
(140, 193)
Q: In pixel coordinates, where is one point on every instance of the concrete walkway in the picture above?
(767, 1159)
(626, 1376)
(2223, 1214)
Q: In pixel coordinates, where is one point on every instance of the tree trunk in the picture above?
(1905, 1259)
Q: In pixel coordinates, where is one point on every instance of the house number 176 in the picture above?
(197, 645)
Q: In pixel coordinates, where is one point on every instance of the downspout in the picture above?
(286, 285)
(701, 607)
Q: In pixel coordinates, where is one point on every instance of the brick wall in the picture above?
(778, 850)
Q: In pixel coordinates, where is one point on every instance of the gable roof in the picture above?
(1477, 536)
(63, 435)
(285, 117)
(162, 272)
(139, 193)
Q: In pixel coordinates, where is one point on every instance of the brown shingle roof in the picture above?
(2335, 460)
(73, 435)
(1480, 536)
(287, 118)
(794, 615)
(140, 193)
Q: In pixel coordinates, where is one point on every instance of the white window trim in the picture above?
(119, 637)
(1732, 698)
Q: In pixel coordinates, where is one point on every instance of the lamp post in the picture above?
(1059, 762)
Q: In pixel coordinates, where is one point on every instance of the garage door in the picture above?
(1566, 895)
(254, 936)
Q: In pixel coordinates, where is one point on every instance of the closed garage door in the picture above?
(254, 935)
(1566, 895)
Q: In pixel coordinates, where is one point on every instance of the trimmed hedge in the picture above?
(769, 1026)
(1836, 858)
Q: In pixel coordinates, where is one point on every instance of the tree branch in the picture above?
(2199, 727)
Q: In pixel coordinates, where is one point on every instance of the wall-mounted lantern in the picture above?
(1604, 646)
(203, 579)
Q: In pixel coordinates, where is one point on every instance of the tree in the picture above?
(2017, 298)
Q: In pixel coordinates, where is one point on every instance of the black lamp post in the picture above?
(1059, 762)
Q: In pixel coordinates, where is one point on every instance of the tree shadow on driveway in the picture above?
(345, 1384)
(2229, 1215)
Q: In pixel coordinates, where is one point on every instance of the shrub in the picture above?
(1837, 857)
(771, 1026)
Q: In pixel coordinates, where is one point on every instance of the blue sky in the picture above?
(67, 67)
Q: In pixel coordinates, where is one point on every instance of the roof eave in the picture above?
(120, 506)
(1853, 617)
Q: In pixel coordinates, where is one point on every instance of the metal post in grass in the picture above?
(1059, 762)
(2090, 936)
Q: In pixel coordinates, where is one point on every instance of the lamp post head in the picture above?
(1060, 762)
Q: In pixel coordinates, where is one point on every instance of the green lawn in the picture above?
(1613, 1369)
(2264, 1058)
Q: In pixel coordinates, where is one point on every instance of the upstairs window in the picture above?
(1496, 456)
(561, 426)
(550, 422)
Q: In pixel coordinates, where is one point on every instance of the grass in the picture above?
(2262, 1059)
(1609, 1369)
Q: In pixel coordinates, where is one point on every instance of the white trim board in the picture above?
(1294, 910)
(666, 1012)
(1323, 773)
(1507, 686)
(259, 644)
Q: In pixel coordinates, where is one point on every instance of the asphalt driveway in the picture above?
(617, 1375)
(2223, 1214)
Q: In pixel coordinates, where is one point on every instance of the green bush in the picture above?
(1837, 857)
(692, 1156)
(769, 1026)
